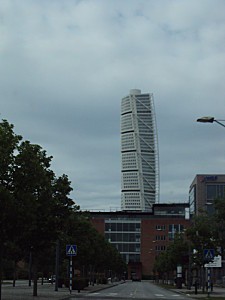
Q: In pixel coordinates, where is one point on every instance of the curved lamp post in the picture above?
(210, 120)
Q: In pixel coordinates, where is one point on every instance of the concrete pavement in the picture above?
(217, 292)
(46, 291)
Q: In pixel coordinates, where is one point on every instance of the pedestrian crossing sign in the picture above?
(71, 250)
(209, 254)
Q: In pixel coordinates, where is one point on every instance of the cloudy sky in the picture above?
(66, 64)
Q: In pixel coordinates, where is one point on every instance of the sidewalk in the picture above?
(217, 292)
(46, 291)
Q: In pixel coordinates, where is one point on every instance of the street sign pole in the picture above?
(71, 274)
(208, 281)
(71, 250)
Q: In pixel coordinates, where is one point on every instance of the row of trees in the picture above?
(36, 211)
(206, 232)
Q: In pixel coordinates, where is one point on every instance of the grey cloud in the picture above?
(64, 66)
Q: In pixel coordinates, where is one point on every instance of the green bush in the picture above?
(103, 281)
(77, 283)
(60, 282)
(22, 274)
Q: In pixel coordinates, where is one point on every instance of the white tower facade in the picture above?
(139, 153)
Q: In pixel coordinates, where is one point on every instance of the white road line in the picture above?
(105, 294)
(112, 294)
(161, 295)
(93, 294)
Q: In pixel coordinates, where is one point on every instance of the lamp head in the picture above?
(206, 120)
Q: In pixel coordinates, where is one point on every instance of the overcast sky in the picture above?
(66, 64)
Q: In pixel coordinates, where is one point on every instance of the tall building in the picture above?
(139, 153)
(204, 189)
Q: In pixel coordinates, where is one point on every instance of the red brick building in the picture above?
(141, 236)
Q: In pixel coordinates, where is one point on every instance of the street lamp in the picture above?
(210, 120)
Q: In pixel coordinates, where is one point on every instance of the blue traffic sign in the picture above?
(209, 254)
(71, 250)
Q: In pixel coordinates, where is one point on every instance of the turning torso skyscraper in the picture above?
(139, 151)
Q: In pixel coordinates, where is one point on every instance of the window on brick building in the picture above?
(160, 237)
(173, 229)
(160, 227)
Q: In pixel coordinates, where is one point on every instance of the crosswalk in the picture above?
(171, 296)
(157, 296)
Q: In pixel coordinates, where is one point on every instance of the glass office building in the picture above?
(139, 153)
(125, 236)
(203, 191)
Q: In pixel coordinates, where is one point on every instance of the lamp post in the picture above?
(210, 120)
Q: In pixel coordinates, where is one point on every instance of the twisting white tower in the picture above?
(139, 151)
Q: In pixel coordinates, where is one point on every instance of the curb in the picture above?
(104, 287)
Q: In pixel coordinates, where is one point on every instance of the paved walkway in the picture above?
(217, 292)
(46, 291)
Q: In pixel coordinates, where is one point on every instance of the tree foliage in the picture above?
(219, 222)
(202, 236)
(175, 254)
(93, 250)
(36, 209)
(187, 249)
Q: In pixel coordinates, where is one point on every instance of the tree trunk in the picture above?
(14, 274)
(0, 288)
(35, 278)
(0, 274)
(203, 279)
(1, 260)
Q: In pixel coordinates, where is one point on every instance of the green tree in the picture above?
(219, 222)
(202, 236)
(176, 254)
(94, 252)
(33, 192)
(36, 210)
(42, 200)
(162, 265)
(64, 206)
(9, 142)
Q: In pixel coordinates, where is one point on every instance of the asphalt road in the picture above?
(133, 290)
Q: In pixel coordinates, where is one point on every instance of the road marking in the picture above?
(105, 294)
(112, 294)
(161, 295)
(94, 294)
